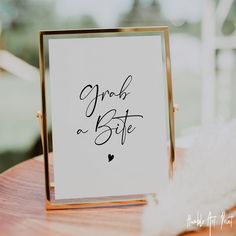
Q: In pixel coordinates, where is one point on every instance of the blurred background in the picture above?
(203, 54)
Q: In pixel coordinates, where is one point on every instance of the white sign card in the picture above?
(109, 121)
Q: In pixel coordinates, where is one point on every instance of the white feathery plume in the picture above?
(204, 183)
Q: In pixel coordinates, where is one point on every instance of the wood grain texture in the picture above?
(22, 210)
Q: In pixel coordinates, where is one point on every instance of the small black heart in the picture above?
(110, 157)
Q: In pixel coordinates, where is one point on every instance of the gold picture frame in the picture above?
(51, 203)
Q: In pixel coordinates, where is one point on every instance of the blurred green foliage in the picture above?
(229, 25)
(151, 14)
(23, 19)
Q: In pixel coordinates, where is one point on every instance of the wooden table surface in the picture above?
(22, 210)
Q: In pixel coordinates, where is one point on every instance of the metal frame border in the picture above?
(52, 204)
